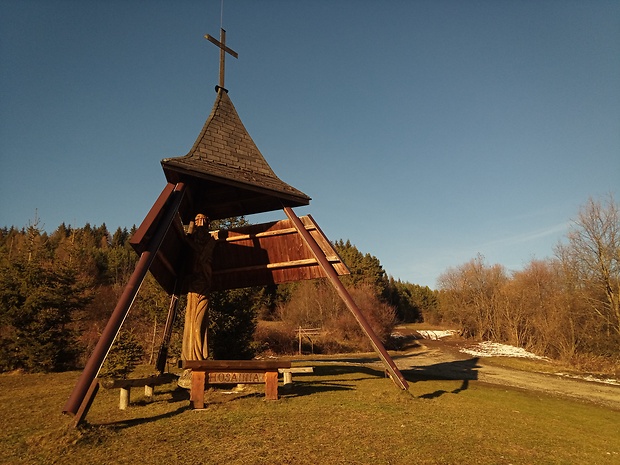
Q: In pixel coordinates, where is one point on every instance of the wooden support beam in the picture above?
(276, 266)
(342, 291)
(85, 406)
(168, 204)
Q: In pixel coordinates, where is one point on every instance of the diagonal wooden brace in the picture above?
(390, 366)
(82, 395)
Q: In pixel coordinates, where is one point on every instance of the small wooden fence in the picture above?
(308, 333)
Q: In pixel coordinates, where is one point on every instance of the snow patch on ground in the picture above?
(591, 378)
(435, 335)
(494, 349)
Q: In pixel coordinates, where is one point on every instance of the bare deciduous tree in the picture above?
(472, 297)
(591, 259)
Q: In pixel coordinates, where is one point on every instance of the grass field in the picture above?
(340, 414)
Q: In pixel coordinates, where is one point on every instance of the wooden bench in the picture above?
(206, 372)
(125, 386)
(288, 374)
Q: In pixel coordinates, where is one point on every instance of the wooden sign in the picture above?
(236, 378)
(256, 255)
(270, 253)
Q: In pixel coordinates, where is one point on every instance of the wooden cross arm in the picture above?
(213, 40)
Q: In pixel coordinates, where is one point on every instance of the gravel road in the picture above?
(442, 359)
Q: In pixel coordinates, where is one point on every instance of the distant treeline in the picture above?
(58, 290)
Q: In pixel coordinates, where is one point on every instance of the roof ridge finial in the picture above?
(223, 50)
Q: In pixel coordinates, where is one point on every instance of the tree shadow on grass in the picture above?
(465, 370)
(337, 377)
(223, 395)
(128, 423)
(311, 388)
(176, 395)
(349, 368)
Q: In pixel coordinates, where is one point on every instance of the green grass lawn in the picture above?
(340, 414)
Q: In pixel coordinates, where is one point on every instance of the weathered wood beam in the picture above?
(81, 396)
(276, 266)
(342, 291)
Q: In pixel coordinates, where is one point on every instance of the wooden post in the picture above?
(197, 393)
(271, 385)
(124, 399)
(162, 355)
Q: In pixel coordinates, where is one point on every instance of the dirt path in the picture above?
(440, 359)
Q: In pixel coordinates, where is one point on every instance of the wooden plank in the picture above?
(296, 370)
(269, 253)
(278, 232)
(137, 382)
(277, 266)
(233, 365)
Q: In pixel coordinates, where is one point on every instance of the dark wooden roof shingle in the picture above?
(226, 166)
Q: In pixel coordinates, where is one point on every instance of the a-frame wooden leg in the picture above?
(82, 395)
(86, 403)
(342, 291)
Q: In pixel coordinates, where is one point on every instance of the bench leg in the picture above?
(148, 392)
(124, 400)
(288, 378)
(197, 393)
(271, 385)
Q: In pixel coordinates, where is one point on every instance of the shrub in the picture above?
(315, 304)
(124, 356)
(275, 338)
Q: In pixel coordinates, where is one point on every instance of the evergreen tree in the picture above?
(365, 269)
(124, 356)
(232, 321)
(38, 301)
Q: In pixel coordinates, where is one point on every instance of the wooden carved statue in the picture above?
(199, 284)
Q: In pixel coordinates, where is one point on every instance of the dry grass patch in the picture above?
(341, 414)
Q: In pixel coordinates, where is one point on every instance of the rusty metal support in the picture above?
(82, 394)
(390, 366)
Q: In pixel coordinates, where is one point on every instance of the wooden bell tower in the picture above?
(224, 175)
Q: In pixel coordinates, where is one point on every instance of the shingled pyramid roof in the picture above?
(224, 171)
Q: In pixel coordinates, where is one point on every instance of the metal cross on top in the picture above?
(223, 50)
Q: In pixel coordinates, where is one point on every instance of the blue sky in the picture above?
(425, 132)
